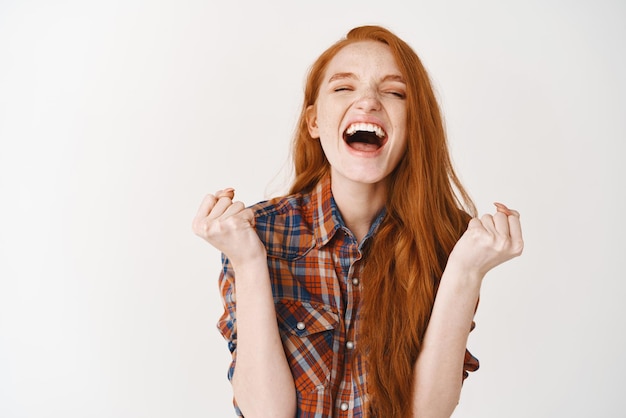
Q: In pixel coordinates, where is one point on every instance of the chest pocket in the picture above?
(309, 334)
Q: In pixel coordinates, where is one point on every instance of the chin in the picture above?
(366, 177)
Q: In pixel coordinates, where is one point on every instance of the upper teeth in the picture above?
(367, 127)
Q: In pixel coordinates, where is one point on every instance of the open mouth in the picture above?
(365, 136)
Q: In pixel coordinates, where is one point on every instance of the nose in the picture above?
(368, 101)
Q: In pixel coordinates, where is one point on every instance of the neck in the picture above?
(359, 204)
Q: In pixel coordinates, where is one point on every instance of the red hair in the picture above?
(425, 217)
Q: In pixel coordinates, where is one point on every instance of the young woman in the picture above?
(354, 295)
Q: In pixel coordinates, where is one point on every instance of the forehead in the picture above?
(363, 58)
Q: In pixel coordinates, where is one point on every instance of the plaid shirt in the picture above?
(314, 265)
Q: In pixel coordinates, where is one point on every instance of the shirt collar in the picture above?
(325, 214)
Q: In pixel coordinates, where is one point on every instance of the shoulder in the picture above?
(281, 206)
(285, 225)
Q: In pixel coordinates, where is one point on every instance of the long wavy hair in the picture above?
(427, 211)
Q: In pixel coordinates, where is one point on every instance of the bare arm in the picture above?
(262, 381)
(438, 371)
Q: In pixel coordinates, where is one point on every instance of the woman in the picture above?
(354, 295)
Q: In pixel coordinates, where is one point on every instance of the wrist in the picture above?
(462, 274)
(250, 263)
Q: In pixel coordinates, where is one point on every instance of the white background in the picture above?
(117, 117)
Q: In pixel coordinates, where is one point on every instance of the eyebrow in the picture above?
(343, 76)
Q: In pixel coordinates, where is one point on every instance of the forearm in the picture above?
(438, 370)
(262, 382)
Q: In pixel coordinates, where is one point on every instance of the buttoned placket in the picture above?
(348, 257)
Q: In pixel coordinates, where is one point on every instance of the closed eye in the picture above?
(396, 89)
(398, 94)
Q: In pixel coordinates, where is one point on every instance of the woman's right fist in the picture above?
(228, 226)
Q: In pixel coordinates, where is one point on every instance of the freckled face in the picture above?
(360, 113)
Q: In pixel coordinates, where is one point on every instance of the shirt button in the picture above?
(300, 326)
(355, 281)
(344, 406)
(349, 345)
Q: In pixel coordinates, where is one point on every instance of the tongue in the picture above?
(362, 146)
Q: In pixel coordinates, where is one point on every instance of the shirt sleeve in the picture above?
(227, 324)
(470, 363)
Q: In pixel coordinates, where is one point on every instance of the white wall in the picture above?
(117, 117)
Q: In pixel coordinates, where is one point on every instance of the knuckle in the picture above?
(207, 229)
(211, 199)
(197, 226)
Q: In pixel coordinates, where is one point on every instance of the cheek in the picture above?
(399, 151)
(328, 128)
(329, 114)
(328, 146)
(324, 118)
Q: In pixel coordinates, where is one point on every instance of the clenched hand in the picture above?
(229, 227)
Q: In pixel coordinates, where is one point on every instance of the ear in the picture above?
(311, 121)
